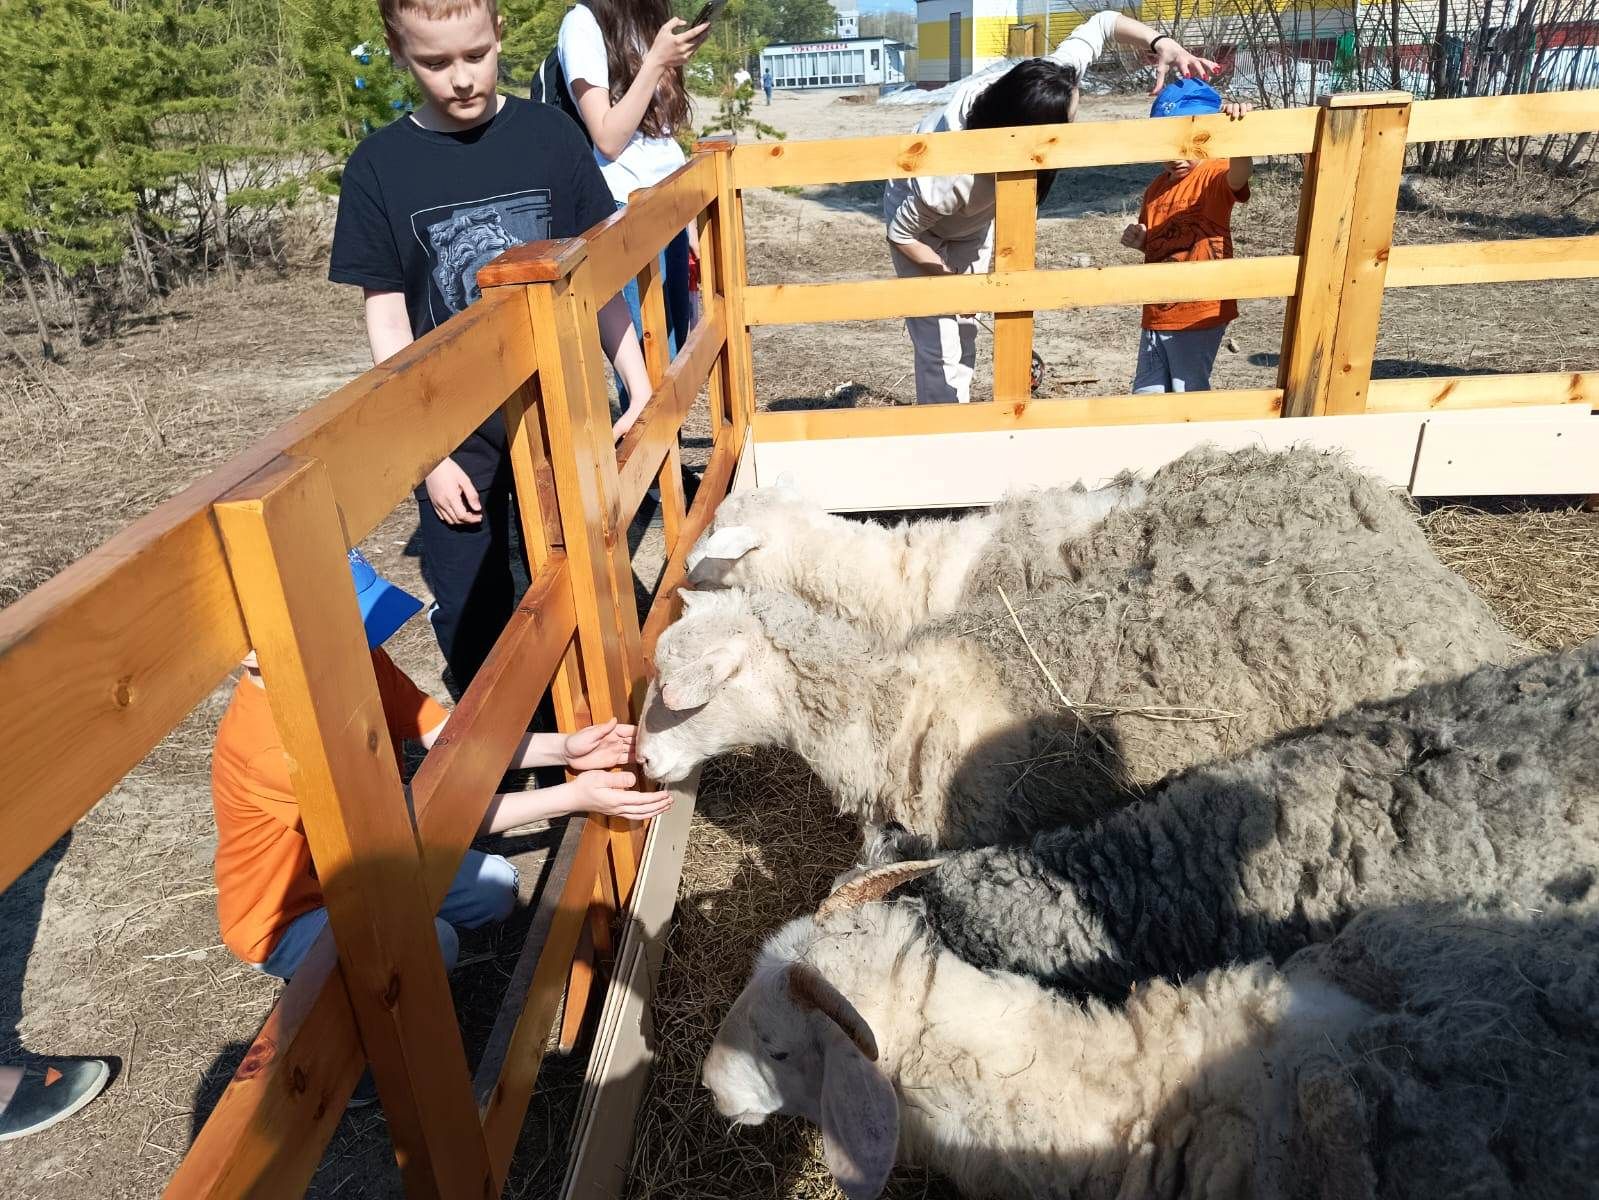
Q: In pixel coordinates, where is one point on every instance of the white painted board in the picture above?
(1506, 457)
(957, 470)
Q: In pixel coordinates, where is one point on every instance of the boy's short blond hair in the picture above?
(433, 10)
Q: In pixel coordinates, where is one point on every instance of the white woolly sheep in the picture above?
(1299, 505)
(1004, 719)
(1323, 1080)
(1487, 786)
(888, 578)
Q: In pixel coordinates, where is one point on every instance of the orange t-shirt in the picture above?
(1190, 220)
(265, 878)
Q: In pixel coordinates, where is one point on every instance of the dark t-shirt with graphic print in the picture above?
(421, 211)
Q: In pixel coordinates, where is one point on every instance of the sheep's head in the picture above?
(745, 545)
(793, 1043)
(715, 687)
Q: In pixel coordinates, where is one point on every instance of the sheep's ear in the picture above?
(860, 1119)
(786, 482)
(728, 542)
(695, 684)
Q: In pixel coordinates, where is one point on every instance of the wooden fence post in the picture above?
(1346, 226)
(1015, 242)
(582, 457)
(286, 552)
(728, 275)
(657, 357)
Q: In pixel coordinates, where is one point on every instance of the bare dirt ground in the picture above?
(109, 945)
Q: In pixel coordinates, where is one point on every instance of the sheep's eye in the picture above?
(778, 1055)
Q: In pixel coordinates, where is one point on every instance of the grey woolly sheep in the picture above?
(887, 578)
(1006, 718)
(1422, 1054)
(1300, 506)
(1484, 786)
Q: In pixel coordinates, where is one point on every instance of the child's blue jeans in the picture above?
(484, 892)
(1176, 360)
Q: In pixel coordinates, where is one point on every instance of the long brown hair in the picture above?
(629, 28)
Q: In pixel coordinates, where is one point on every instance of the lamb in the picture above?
(1299, 505)
(887, 578)
(1326, 1079)
(1487, 785)
(1004, 719)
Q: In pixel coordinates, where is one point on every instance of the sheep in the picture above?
(1002, 719)
(1485, 785)
(887, 578)
(1298, 506)
(1423, 1053)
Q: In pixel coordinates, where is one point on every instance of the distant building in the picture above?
(844, 62)
(847, 25)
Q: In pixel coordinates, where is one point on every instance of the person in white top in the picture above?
(944, 225)
(623, 62)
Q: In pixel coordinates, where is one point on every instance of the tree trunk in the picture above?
(141, 252)
(45, 348)
(1393, 44)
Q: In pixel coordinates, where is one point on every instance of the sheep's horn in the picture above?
(808, 989)
(875, 884)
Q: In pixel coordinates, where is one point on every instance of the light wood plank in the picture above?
(713, 487)
(115, 650)
(1015, 243)
(619, 1065)
(726, 277)
(1020, 291)
(1332, 328)
(1511, 261)
(644, 449)
(620, 246)
(1075, 412)
(1041, 147)
(1484, 391)
(287, 555)
(1503, 116)
(516, 1047)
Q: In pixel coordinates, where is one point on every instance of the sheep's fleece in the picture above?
(1487, 786)
(1429, 1052)
(1479, 1077)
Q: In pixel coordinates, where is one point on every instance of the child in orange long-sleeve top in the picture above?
(269, 900)
(1187, 216)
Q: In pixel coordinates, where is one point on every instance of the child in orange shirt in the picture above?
(1187, 216)
(269, 902)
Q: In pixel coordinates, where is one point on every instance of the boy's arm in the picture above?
(607, 793)
(388, 324)
(1238, 169)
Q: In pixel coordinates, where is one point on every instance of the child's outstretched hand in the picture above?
(1234, 110)
(609, 794)
(599, 746)
(1133, 235)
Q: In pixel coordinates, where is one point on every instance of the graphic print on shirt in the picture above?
(462, 238)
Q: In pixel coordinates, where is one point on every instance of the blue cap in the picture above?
(1186, 98)
(384, 607)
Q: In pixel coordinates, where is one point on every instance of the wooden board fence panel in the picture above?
(1330, 333)
(1139, 283)
(1503, 116)
(1015, 245)
(1040, 147)
(116, 649)
(1512, 261)
(1484, 391)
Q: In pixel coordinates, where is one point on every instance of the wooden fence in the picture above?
(115, 651)
(1334, 282)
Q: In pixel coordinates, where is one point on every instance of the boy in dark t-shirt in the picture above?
(426, 202)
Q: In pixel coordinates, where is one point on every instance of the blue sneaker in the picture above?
(51, 1091)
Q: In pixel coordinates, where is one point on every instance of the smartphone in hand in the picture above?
(709, 12)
